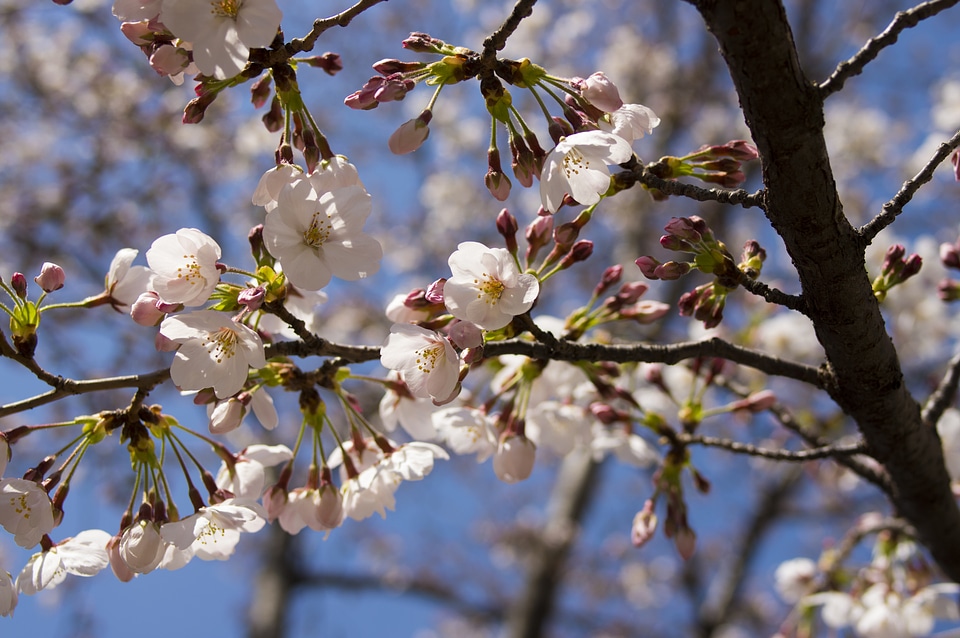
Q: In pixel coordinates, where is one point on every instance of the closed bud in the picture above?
(19, 284)
(644, 525)
(329, 62)
(51, 277)
(580, 251)
(514, 458)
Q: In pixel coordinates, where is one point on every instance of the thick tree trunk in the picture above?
(784, 111)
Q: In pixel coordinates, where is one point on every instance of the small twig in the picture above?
(943, 396)
(902, 21)
(640, 174)
(895, 206)
(774, 296)
(306, 43)
(498, 39)
(812, 454)
(674, 353)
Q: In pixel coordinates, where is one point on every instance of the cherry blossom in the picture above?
(222, 31)
(630, 121)
(426, 360)
(487, 288)
(413, 461)
(134, 10)
(246, 476)
(320, 509)
(514, 459)
(124, 281)
(370, 491)
(793, 577)
(578, 166)
(214, 531)
(82, 555)
(272, 182)
(215, 351)
(601, 92)
(142, 547)
(8, 594)
(226, 416)
(317, 236)
(411, 413)
(184, 266)
(25, 511)
(466, 431)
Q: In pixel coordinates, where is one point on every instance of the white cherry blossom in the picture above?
(370, 491)
(426, 360)
(214, 531)
(411, 413)
(126, 282)
(215, 351)
(578, 165)
(630, 121)
(317, 236)
(8, 594)
(184, 266)
(141, 547)
(466, 431)
(247, 476)
(222, 32)
(487, 288)
(514, 459)
(82, 555)
(320, 509)
(25, 511)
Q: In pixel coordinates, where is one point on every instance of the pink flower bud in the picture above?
(601, 92)
(647, 266)
(686, 542)
(580, 251)
(423, 43)
(51, 277)
(950, 255)
(610, 277)
(514, 458)
(144, 310)
(498, 184)
(411, 134)
(434, 292)
(644, 525)
(389, 66)
(19, 284)
(329, 62)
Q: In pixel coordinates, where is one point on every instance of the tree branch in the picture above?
(495, 42)
(571, 351)
(894, 207)
(943, 396)
(902, 21)
(69, 387)
(772, 295)
(784, 112)
(639, 173)
(823, 452)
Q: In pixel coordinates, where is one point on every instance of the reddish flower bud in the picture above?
(329, 62)
(51, 277)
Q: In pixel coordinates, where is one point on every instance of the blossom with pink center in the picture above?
(578, 166)
(487, 288)
(222, 32)
(184, 266)
(316, 236)
(215, 351)
(426, 361)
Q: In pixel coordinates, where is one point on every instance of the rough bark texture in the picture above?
(784, 111)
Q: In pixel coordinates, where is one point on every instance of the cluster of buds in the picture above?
(896, 270)
(949, 289)
(714, 164)
(711, 256)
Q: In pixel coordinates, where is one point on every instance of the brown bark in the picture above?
(784, 111)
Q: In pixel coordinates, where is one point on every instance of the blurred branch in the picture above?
(720, 603)
(827, 451)
(943, 396)
(910, 187)
(902, 21)
(774, 296)
(531, 612)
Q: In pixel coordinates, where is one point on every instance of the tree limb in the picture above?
(812, 454)
(902, 21)
(784, 112)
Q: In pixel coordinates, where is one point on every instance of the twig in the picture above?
(826, 451)
(640, 174)
(498, 39)
(895, 206)
(306, 43)
(774, 296)
(943, 396)
(902, 21)
(669, 354)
